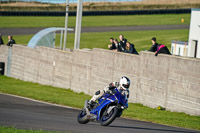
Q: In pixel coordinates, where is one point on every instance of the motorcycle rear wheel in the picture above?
(106, 118)
(82, 117)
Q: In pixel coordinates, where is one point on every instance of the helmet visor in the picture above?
(125, 85)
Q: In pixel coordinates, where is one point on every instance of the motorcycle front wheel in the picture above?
(108, 118)
(82, 117)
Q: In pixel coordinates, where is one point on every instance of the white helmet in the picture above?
(124, 83)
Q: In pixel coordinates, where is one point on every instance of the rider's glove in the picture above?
(108, 91)
(111, 84)
(116, 84)
(111, 88)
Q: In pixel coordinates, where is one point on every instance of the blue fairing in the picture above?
(106, 99)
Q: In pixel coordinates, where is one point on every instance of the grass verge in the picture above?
(42, 92)
(141, 39)
(93, 21)
(4, 129)
(70, 98)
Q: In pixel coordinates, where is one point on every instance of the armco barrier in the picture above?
(94, 13)
(168, 81)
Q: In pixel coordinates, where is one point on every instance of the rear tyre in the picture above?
(82, 117)
(106, 118)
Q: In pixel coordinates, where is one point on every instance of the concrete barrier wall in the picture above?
(153, 79)
(168, 81)
(183, 91)
(81, 71)
(25, 63)
(4, 56)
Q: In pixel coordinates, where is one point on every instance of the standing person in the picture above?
(122, 42)
(112, 46)
(1, 40)
(11, 41)
(154, 46)
(130, 48)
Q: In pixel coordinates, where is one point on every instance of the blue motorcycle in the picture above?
(108, 107)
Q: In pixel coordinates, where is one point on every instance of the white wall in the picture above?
(179, 49)
(194, 34)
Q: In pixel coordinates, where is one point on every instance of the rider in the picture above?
(122, 86)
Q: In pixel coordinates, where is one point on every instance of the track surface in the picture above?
(28, 114)
(26, 31)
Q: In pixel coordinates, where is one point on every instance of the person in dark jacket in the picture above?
(162, 49)
(118, 46)
(11, 41)
(122, 42)
(130, 48)
(112, 46)
(1, 40)
(154, 46)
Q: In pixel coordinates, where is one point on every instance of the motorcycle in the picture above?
(105, 110)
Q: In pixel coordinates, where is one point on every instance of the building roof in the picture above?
(179, 42)
(195, 9)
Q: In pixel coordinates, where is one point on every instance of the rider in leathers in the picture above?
(122, 86)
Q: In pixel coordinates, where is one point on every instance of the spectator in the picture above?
(11, 41)
(112, 46)
(122, 42)
(130, 48)
(154, 46)
(1, 40)
(118, 46)
(162, 49)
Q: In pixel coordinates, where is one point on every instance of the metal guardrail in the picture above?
(94, 13)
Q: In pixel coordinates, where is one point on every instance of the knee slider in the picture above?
(97, 93)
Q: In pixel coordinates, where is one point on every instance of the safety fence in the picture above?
(94, 13)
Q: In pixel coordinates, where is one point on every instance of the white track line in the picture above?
(39, 101)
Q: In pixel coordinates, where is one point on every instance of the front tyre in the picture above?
(108, 118)
(82, 117)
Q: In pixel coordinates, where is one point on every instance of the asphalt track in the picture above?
(26, 31)
(27, 114)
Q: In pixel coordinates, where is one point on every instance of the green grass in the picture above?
(4, 129)
(70, 98)
(140, 112)
(141, 39)
(43, 93)
(93, 21)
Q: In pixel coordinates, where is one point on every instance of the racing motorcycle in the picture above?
(105, 110)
